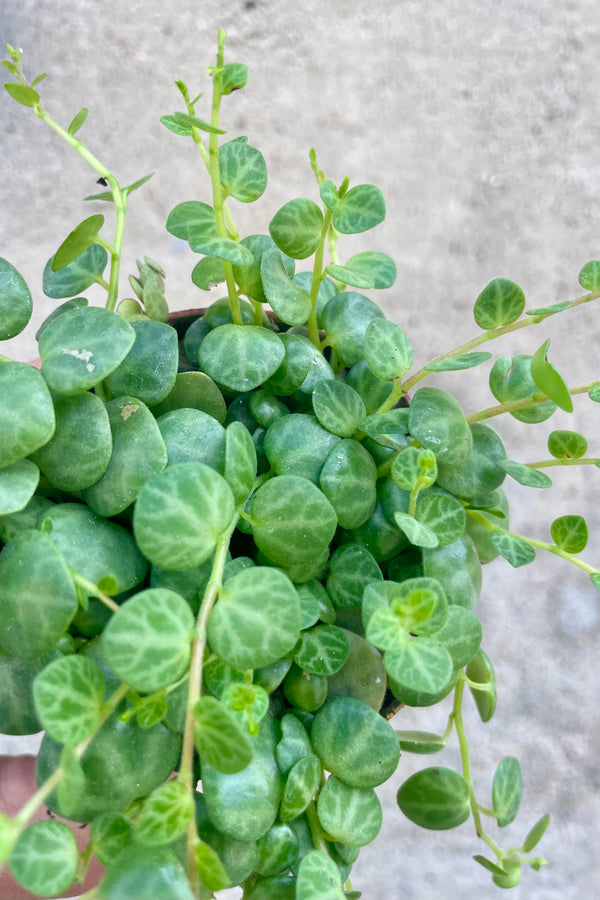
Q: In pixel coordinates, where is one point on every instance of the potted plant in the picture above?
(236, 542)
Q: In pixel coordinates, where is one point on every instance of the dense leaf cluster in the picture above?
(232, 548)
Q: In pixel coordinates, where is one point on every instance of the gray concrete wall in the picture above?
(479, 121)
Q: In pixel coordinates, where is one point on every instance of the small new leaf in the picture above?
(78, 121)
(22, 93)
(548, 380)
(570, 533)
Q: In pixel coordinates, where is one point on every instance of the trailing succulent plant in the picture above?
(234, 545)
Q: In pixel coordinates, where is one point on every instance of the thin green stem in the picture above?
(490, 335)
(546, 463)
(195, 687)
(93, 590)
(513, 405)
(217, 190)
(316, 280)
(466, 767)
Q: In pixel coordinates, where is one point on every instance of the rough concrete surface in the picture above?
(479, 121)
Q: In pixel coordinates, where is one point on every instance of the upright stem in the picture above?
(316, 280)
(195, 689)
(217, 190)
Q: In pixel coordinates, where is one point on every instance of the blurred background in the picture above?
(479, 122)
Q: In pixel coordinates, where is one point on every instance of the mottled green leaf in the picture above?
(435, 798)
(18, 482)
(379, 267)
(361, 208)
(387, 350)
(526, 475)
(16, 304)
(147, 642)
(300, 787)
(290, 303)
(44, 860)
(296, 228)
(166, 814)
(515, 550)
(567, 444)
(242, 170)
(318, 876)
(456, 363)
(322, 650)
(500, 303)
(77, 276)
(507, 789)
(589, 276)
(181, 513)
(570, 533)
(350, 815)
(241, 358)
(68, 696)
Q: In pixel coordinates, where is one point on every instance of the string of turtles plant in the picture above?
(233, 551)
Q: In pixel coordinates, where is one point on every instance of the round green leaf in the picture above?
(221, 248)
(318, 876)
(180, 515)
(242, 170)
(16, 304)
(292, 520)
(145, 873)
(510, 379)
(149, 369)
(589, 277)
(362, 676)
(300, 787)
(379, 267)
(290, 303)
(26, 413)
(351, 569)
(347, 275)
(349, 481)
(44, 860)
(220, 739)
(500, 302)
(78, 241)
(194, 390)
(210, 868)
(418, 534)
(233, 77)
(515, 550)
(457, 568)
(296, 228)
(423, 666)
(241, 358)
(323, 650)
(350, 815)
(360, 209)
(443, 515)
(481, 471)
(570, 533)
(338, 407)
(68, 696)
(94, 547)
(192, 219)
(147, 642)
(567, 444)
(208, 272)
(77, 276)
(18, 482)
(507, 790)
(79, 451)
(346, 318)
(244, 805)
(414, 468)
(277, 849)
(166, 814)
(82, 347)
(297, 445)
(354, 742)
(191, 435)
(435, 798)
(436, 420)
(138, 451)
(37, 595)
(387, 350)
(247, 634)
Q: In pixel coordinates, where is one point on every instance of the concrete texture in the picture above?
(479, 121)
